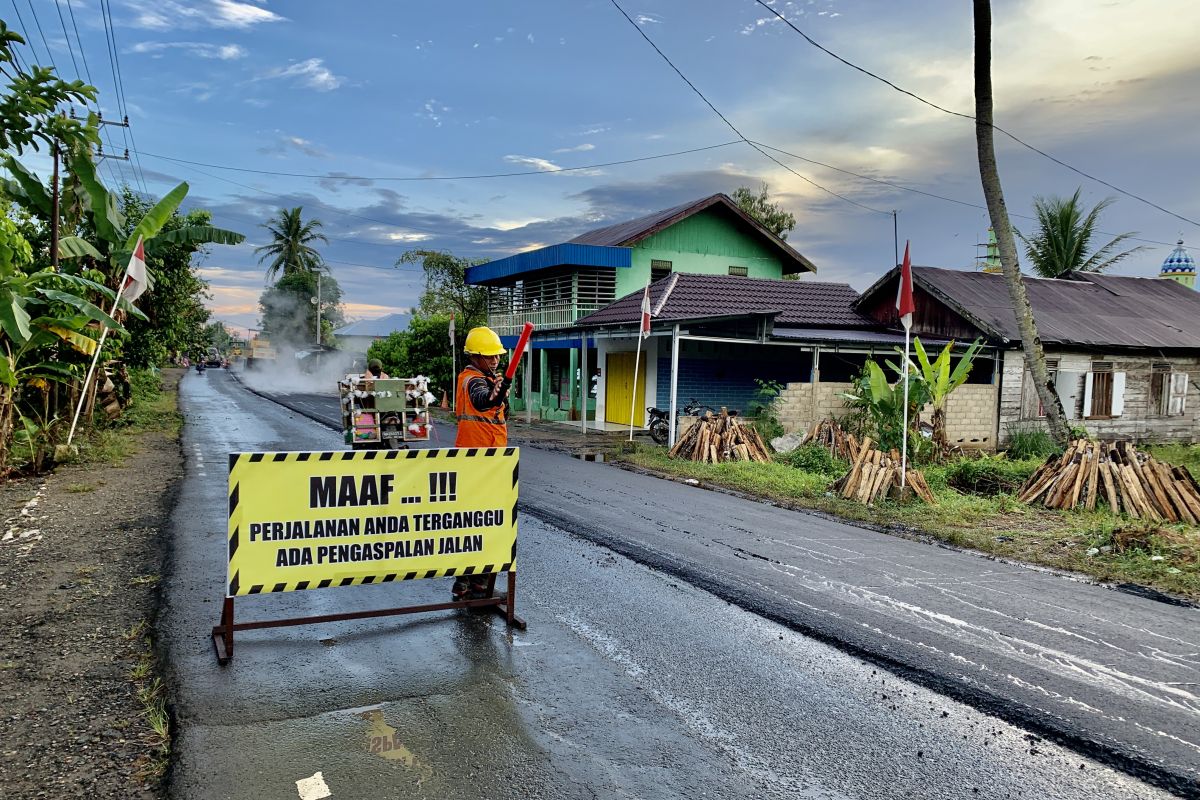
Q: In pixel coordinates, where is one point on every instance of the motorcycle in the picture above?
(660, 429)
(200, 367)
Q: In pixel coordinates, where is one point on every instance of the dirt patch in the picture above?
(78, 596)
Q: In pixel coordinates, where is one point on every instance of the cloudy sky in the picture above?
(365, 102)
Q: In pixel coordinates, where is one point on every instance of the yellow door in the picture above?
(619, 390)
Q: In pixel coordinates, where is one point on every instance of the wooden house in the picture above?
(1123, 352)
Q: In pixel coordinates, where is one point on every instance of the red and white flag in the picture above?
(137, 280)
(646, 312)
(904, 294)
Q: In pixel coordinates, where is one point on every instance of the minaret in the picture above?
(1179, 267)
(991, 261)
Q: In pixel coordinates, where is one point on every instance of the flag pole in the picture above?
(96, 358)
(633, 392)
(904, 434)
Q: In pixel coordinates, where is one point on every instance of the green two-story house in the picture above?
(554, 287)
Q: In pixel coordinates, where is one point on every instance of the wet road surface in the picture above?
(629, 682)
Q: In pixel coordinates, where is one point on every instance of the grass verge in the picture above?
(151, 410)
(1098, 544)
(152, 694)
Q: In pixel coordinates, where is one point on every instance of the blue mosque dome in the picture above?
(1179, 261)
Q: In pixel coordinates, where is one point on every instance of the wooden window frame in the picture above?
(738, 271)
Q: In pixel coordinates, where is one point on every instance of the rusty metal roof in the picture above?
(793, 303)
(630, 232)
(1084, 309)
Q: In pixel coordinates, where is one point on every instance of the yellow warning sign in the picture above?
(343, 518)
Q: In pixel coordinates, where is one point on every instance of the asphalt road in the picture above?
(631, 682)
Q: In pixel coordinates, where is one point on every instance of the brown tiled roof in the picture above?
(630, 232)
(1081, 309)
(798, 303)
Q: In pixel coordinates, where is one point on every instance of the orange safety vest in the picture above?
(477, 428)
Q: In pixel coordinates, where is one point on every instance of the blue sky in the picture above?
(425, 89)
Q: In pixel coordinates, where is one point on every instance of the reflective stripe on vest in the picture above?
(476, 427)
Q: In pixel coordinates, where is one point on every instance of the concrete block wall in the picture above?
(971, 416)
(800, 405)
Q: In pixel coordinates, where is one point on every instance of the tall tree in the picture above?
(1063, 240)
(759, 206)
(989, 174)
(446, 290)
(291, 248)
(289, 315)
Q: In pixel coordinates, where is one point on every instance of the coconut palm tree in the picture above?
(290, 250)
(993, 192)
(1063, 238)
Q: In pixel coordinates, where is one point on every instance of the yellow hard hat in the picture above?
(483, 342)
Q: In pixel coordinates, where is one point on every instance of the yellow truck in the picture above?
(261, 353)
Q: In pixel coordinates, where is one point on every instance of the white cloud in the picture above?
(647, 19)
(408, 236)
(223, 52)
(579, 148)
(433, 110)
(163, 15)
(545, 165)
(311, 72)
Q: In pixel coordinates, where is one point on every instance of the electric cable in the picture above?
(731, 126)
(971, 117)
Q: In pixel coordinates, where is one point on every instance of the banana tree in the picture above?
(940, 381)
(883, 404)
(39, 313)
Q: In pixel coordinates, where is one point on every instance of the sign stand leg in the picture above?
(222, 635)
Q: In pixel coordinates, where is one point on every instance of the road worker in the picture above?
(375, 368)
(481, 405)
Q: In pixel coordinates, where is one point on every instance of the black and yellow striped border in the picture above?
(364, 455)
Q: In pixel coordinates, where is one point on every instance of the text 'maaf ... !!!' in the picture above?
(313, 520)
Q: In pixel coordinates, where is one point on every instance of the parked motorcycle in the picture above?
(660, 428)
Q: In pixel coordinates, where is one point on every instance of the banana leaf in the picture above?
(28, 187)
(196, 234)
(106, 217)
(75, 301)
(77, 340)
(14, 320)
(156, 217)
(75, 247)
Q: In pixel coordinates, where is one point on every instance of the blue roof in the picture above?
(380, 326)
(1179, 261)
(556, 255)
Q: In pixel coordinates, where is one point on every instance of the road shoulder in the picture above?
(84, 712)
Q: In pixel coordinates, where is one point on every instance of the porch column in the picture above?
(528, 385)
(674, 385)
(585, 382)
(572, 380)
(544, 382)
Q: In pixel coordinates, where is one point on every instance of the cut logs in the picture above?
(1119, 475)
(873, 474)
(716, 438)
(829, 434)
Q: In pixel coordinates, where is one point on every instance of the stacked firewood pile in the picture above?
(716, 438)
(829, 434)
(1117, 473)
(874, 473)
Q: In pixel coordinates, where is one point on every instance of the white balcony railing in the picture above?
(548, 317)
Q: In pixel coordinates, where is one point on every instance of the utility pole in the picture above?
(318, 309)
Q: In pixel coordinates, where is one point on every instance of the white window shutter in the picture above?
(1178, 394)
(1087, 394)
(1066, 384)
(1118, 394)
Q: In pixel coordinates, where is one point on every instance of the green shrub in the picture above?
(989, 475)
(1030, 442)
(813, 458)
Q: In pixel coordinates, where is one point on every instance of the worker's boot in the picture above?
(461, 589)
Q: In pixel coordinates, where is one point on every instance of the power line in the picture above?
(41, 33)
(110, 39)
(731, 126)
(75, 64)
(24, 34)
(971, 117)
(936, 196)
(426, 178)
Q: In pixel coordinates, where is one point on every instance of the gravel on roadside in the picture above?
(78, 597)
